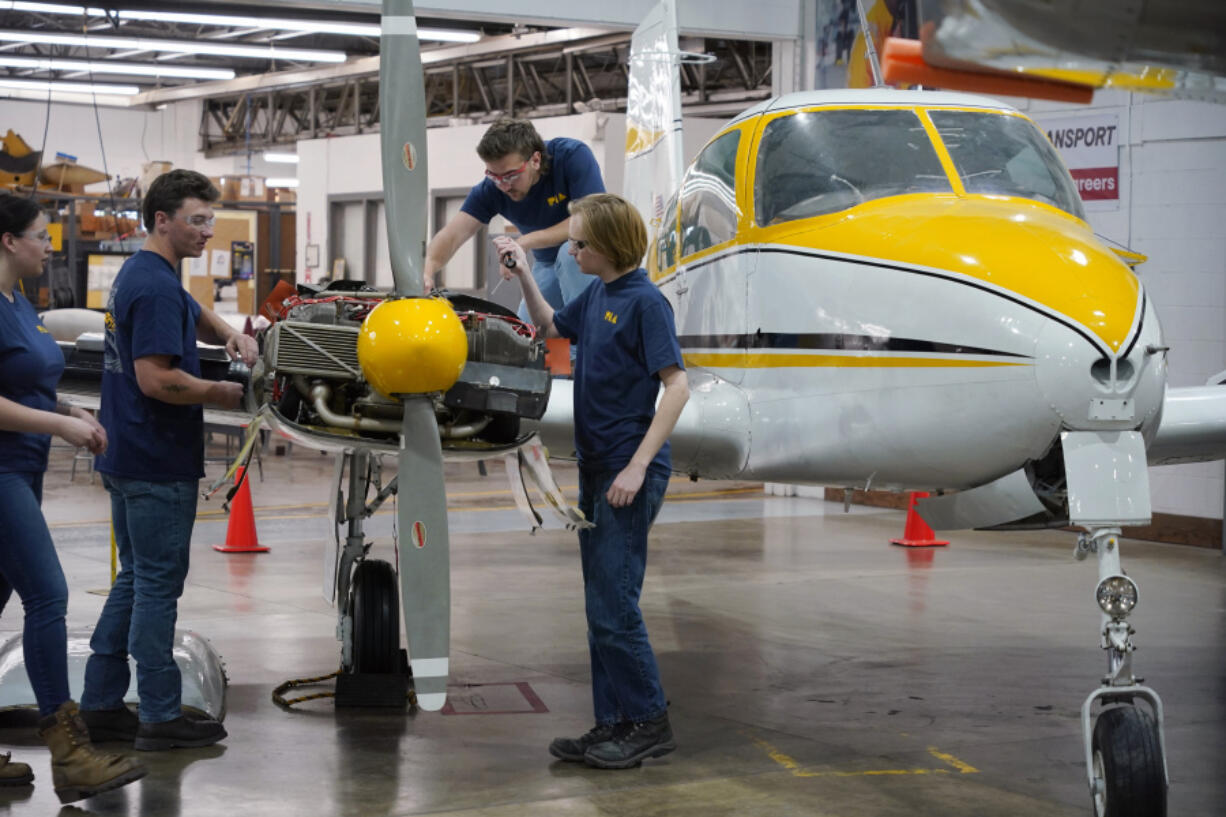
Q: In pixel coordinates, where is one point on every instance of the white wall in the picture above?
(1172, 208)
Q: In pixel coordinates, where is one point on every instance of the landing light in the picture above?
(1117, 596)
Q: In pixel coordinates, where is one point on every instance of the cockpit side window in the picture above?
(818, 162)
(709, 212)
(666, 242)
(1008, 156)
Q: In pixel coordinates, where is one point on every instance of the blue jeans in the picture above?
(625, 679)
(29, 565)
(559, 282)
(153, 531)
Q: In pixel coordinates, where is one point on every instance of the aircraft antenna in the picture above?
(870, 49)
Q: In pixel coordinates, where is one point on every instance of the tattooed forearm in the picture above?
(174, 388)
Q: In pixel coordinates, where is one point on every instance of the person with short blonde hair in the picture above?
(614, 227)
(627, 349)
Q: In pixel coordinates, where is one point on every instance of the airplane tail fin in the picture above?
(653, 114)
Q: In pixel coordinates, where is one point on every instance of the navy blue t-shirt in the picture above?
(149, 313)
(573, 174)
(626, 336)
(30, 366)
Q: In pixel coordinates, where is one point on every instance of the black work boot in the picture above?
(182, 732)
(572, 749)
(111, 724)
(629, 747)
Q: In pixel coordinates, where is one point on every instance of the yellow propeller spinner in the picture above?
(412, 346)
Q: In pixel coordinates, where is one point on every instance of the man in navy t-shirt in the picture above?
(152, 409)
(627, 348)
(530, 182)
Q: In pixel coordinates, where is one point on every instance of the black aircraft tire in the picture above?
(376, 618)
(1128, 758)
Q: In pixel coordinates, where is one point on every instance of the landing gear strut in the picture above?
(1126, 751)
(374, 670)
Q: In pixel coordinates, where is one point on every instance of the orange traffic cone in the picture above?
(240, 533)
(917, 534)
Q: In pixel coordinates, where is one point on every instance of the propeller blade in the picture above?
(425, 562)
(402, 135)
(425, 559)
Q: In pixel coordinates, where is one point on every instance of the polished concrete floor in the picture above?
(813, 668)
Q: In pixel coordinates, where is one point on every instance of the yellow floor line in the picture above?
(797, 770)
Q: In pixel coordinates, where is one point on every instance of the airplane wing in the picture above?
(1021, 48)
(1193, 427)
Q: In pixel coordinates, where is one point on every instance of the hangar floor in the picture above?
(813, 669)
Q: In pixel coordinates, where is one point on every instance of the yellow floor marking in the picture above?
(960, 765)
(797, 770)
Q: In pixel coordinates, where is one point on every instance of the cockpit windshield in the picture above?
(823, 161)
(998, 154)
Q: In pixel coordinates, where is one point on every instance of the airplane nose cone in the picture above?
(1091, 389)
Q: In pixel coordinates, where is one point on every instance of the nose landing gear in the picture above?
(1126, 751)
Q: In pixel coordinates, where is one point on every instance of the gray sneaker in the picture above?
(180, 733)
(572, 749)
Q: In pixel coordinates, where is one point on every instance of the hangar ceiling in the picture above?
(269, 74)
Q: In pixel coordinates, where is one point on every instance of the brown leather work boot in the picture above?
(14, 774)
(78, 770)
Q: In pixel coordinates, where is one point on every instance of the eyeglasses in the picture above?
(510, 176)
(42, 238)
(578, 243)
(201, 222)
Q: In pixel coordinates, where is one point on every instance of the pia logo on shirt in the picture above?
(43, 329)
(556, 199)
(610, 317)
(110, 321)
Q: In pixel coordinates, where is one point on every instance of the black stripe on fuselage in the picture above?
(834, 342)
(945, 276)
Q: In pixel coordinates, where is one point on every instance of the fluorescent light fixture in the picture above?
(272, 23)
(448, 35)
(287, 158)
(279, 181)
(279, 24)
(128, 68)
(69, 87)
(259, 52)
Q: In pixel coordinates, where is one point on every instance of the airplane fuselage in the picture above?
(933, 338)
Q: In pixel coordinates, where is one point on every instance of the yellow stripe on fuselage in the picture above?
(758, 360)
(1018, 245)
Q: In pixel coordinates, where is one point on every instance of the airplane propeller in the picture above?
(415, 344)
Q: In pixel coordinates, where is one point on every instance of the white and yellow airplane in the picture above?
(899, 289)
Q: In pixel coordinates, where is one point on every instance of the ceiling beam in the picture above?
(507, 44)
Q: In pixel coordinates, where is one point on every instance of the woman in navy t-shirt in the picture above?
(30, 367)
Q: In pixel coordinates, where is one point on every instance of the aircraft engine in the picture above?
(313, 379)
